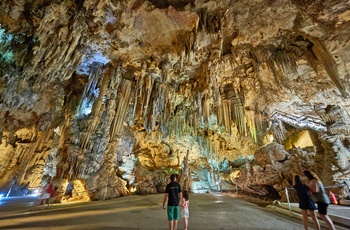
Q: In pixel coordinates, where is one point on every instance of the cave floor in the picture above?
(207, 211)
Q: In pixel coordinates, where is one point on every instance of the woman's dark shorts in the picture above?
(322, 208)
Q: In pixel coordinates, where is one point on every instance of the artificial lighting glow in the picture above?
(86, 108)
(36, 192)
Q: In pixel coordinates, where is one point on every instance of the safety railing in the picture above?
(326, 187)
(300, 121)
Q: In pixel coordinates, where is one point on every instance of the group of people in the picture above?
(307, 193)
(314, 189)
(49, 192)
(174, 198)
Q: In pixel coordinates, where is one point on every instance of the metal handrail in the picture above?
(287, 194)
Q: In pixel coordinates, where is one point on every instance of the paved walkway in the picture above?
(337, 210)
(208, 211)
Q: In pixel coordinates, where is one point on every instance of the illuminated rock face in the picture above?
(112, 94)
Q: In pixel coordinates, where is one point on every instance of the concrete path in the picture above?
(208, 211)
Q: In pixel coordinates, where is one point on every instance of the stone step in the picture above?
(339, 214)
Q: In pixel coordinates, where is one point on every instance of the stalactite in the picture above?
(215, 88)
(229, 116)
(207, 147)
(94, 77)
(170, 128)
(96, 110)
(278, 131)
(250, 116)
(206, 108)
(124, 98)
(158, 106)
(219, 113)
(199, 99)
(240, 119)
(132, 119)
(200, 143)
(272, 66)
(210, 22)
(41, 137)
(146, 108)
(141, 94)
(41, 141)
(182, 122)
(330, 65)
(285, 60)
(154, 116)
(226, 107)
(195, 127)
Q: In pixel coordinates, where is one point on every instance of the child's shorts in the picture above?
(45, 195)
(185, 213)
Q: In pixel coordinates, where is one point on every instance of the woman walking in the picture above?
(305, 203)
(322, 199)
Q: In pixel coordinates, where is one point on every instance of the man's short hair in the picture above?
(173, 177)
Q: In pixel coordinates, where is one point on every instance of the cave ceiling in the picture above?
(85, 84)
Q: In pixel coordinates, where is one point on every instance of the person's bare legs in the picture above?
(305, 219)
(175, 224)
(314, 219)
(328, 221)
(185, 223)
(44, 202)
(171, 225)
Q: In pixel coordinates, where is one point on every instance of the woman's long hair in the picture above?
(297, 180)
(311, 175)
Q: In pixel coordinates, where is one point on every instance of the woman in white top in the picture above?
(322, 199)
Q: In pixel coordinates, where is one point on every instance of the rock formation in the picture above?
(112, 94)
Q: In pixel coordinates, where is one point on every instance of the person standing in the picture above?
(46, 191)
(185, 213)
(173, 195)
(322, 199)
(69, 190)
(52, 196)
(305, 202)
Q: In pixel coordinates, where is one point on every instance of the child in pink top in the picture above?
(185, 213)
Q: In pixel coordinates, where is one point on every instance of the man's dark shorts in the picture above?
(173, 213)
(322, 208)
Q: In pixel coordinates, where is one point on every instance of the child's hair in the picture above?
(186, 194)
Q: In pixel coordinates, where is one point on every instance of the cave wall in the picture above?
(114, 93)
